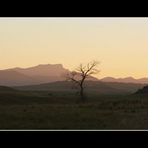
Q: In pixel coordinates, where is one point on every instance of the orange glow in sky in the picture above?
(120, 44)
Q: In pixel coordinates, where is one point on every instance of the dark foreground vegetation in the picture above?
(61, 110)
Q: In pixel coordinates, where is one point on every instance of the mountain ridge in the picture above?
(41, 73)
(46, 73)
(125, 80)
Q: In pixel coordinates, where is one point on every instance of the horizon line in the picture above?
(118, 77)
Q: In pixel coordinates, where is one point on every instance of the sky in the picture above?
(120, 44)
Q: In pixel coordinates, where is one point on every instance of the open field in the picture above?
(60, 110)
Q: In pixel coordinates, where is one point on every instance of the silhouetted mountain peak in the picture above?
(43, 70)
(32, 75)
(43, 73)
(49, 65)
(40, 66)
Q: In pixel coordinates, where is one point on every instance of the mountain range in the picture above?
(125, 80)
(43, 73)
(47, 73)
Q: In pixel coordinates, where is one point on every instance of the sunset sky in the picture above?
(120, 44)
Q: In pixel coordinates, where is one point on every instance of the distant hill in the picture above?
(95, 86)
(125, 80)
(47, 70)
(42, 73)
(14, 78)
(6, 89)
(62, 85)
(47, 73)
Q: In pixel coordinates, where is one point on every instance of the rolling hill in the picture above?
(92, 86)
(6, 89)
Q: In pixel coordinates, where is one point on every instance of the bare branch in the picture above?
(81, 73)
(71, 77)
(91, 68)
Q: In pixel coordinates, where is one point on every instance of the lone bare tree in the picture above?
(81, 74)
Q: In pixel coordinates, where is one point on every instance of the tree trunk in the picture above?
(82, 93)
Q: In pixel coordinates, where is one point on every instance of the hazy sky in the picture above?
(120, 44)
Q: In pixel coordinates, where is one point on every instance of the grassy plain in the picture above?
(61, 110)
